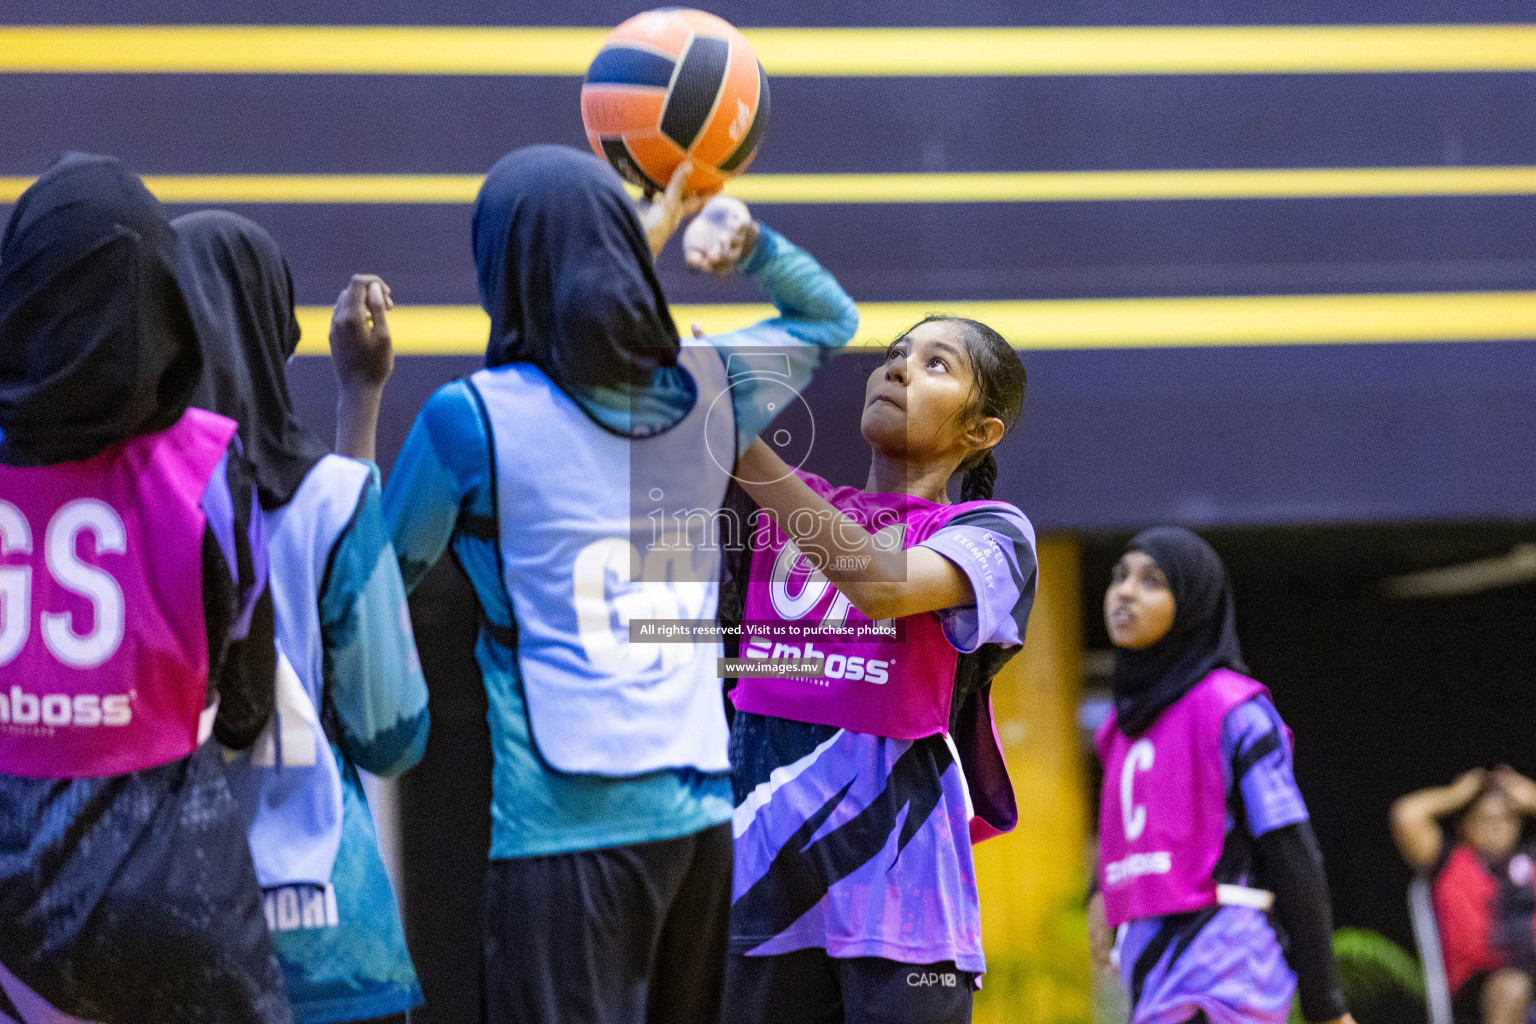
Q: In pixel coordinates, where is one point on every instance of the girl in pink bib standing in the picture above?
(135, 625)
(861, 785)
(1211, 893)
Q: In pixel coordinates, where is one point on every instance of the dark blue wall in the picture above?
(1207, 437)
(1212, 436)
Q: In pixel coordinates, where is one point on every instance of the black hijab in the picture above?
(96, 344)
(1203, 636)
(566, 273)
(240, 292)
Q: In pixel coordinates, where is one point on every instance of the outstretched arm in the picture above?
(816, 318)
(882, 579)
(1414, 817)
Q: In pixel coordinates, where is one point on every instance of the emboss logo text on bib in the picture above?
(1159, 862)
(86, 710)
(837, 666)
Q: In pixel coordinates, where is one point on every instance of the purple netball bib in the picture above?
(1163, 806)
(103, 644)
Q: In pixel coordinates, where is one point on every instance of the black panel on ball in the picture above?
(628, 167)
(694, 91)
(749, 142)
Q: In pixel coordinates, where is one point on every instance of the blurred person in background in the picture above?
(1212, 897)
(1484, 889)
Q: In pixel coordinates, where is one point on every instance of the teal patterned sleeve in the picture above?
(443, 469)
(816, 319)
(374, 686)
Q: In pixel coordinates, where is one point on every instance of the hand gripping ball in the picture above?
(670, 85)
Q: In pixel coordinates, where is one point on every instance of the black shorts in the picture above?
(620, 935)
(132, 899)
(810, 987)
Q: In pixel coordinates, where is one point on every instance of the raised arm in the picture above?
(882, 579)
(1520, 790)
(813, 308)
(1415, 824)
(815, 316)
(661, 212)
(363, 356)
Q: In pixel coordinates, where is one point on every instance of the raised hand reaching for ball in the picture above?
(720, 237)
(662, 212)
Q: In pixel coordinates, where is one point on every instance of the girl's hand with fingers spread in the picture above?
(720, 237)
(661, 213)
(361, 347)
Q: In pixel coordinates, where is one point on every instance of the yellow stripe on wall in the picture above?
(1074, 323)
(1077, 186)
(1001, 187)
(818, 52)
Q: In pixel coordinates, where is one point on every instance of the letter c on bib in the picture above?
(1134, 815)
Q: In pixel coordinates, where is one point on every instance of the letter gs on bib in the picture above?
(60, 550)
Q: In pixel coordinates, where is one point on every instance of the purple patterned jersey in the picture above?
(859, 844)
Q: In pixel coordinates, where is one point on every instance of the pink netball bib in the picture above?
(899, 685)
(1163, 807)
(103, 643)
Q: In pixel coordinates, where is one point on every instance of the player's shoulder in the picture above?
(838, 496)
(453, 412)
(1005, 521)
(333, 470)
(453, 396)
(1252, 720)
